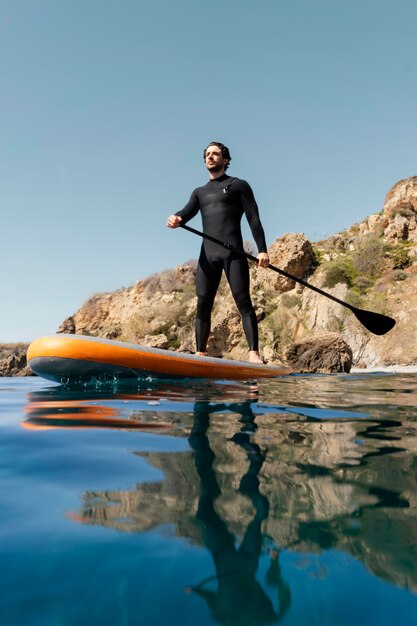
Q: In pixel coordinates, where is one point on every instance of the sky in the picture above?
(106, 107)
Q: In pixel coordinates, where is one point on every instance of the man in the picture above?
(222, 203)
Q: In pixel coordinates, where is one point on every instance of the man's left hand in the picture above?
(263, 259)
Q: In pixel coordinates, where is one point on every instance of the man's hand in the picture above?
(174, 221)
(263, 259)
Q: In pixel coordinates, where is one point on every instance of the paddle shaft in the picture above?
(376, 323)
(242, 253)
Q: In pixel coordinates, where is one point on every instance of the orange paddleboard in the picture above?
(71, 358)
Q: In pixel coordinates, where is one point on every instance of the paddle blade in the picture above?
(374, 322)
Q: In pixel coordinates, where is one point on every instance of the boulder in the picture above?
(269, 355)
(68, 326)
(226, 328)
(401, 198)
(327, 353)
(156, 341)
(397, 230)
(377, 223)
(291, 253)
(13, 361)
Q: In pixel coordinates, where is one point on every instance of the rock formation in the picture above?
(293, 254)
(326, 353)
(13, 360)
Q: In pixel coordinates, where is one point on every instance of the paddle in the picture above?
(374, 322)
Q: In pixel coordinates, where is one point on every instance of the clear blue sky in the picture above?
(106, 106)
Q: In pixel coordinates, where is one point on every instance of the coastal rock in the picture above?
(377, 223)
(291, 253)
(68, 326)
(373, 225)
(269, 355)
(402, 196)
(400, 208)
(186, 273)
(127, 314)
(339, 242)
(398, 229)
(327, 353)
(226, 328)
(156, 341)
(13, 360)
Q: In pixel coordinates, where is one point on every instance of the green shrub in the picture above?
(362, 283)
(317, 258)
(173, 342)
(359, 269)
(279, 322)
(400, 259)
(318, 254)
(290, 300)
(369, 257)
(399, 275)
(376, 302)
(353, 298)
(340, 270)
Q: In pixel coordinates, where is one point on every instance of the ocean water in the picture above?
(291, 501)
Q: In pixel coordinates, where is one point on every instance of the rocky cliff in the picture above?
(372, 265)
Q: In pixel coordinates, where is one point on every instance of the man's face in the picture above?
(214, 159)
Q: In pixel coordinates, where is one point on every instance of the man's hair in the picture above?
(224, 150)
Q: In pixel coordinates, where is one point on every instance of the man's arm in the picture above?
(187, 213)
(252, 215)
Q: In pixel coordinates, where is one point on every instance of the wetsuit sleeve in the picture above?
(252, 215)
(191, 208)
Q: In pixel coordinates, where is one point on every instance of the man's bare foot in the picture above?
(201, 353)
(254, 357)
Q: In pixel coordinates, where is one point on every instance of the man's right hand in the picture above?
(174, 221)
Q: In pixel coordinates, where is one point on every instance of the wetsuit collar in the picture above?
(220, 179)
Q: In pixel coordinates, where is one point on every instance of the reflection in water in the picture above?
(239, 597)
(81, 413)
(288, 468)
(58, 407)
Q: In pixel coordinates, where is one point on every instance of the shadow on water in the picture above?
(277, 468)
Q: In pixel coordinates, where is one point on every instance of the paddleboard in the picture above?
(70, 358)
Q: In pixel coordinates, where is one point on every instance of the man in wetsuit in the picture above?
(222, 203)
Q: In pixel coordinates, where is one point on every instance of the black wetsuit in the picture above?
(222, 203)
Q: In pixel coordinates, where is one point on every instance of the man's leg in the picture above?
(237, 272)
(207, 282)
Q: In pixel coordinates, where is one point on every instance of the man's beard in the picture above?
(214, 168)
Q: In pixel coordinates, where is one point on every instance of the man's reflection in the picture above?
(239, 597)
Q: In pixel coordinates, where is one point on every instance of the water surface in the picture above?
(291, 501)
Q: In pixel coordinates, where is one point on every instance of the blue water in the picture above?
(291, 501)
